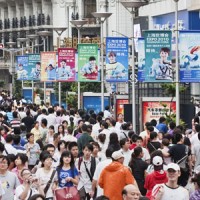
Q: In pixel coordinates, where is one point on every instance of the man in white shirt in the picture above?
(170, 190)
(194, 139)
(98, 171)
(51, 118)
(125, 144)
(120, 121)
(42, 116)
(96, 127)
(107, 113)
(8, 148)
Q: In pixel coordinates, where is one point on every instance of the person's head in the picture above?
(50, 148)
(130, 192)
(153, 122)
(56, 137)
(172, 125)
(104, 125)
(44, 122)
(102, 138)
(96, 148)
(157, 162)
(37, 66)
(66, 159)
(114, 138)
(165, 142)
(36, 125)
(84, 128)
(197, 128)
(155, 154)
(63, 63)
(30, 137)
(162, 120)
(196, 181)
(92, 60)
(26, 175)
(4, 163)
(65, 124)
(70, 130)
(61, 145)
(134, 138)
(109, 152)
(21, 159)
(102, 197)
(178, 138)
(164, 53)
(125, 144)
(139, 141)
(118, 156)
(16, 139)
(112, 57)
(153, 135)
(120, 117)
(9, 139)
(87, 150)
(61, 129)
(47, 160)
(73, 147)
(173, 172)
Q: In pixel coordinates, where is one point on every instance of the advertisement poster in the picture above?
(120, 105)
(48, 66)
(116, 59)
(155, 110)
(158, 65)
(35, 66)
(189, 56)
(22, 68)
(66, 65)
(141, 60)
(88, 63)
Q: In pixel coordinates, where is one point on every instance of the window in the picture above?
(89, 7)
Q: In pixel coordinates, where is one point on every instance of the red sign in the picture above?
(155, 110)
(120, 105)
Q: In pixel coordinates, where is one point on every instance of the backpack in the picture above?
(92, 168)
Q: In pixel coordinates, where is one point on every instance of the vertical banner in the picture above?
(35, 66)
(189, 56)
(141, 60)
(158, 66)
(116, 59)
(22, 68)
(66, 64)
(48, 66)
(88, 62)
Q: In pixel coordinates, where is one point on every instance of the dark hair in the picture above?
(84, 128)
(113, 139)
(196, 179)
(96, 144)
(61, 142)
(70, 130)
(131, 133)
(9, 138)
(99, 118)
(63, 130)
(165, 49)
(153, 135)
(44, 121)
(23, 157)
(25, 169)
(17, 131)
(172, 125)
(5, 158)
(165, 142)
(134, 155)
(102, 197)
(104, 124)
(51, 127)
(49, 146)
(16, 139)
(134, 138)
(122, 142)
(150, 128)
(102, 138)
(66, 154)
(45, 156)
(15, 114)
(55, 136)
(91, 58)
(36, 196)
(162, 119)
(177, 137)
(50, 110)
(71, 119)
(109, 152)
(89, 146)
(71, 145)
(153, 122)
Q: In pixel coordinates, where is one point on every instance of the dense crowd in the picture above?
(47, 152)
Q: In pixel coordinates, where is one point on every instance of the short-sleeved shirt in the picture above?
(63, 174)
(21, 189)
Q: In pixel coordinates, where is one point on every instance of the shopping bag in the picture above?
(67, 193)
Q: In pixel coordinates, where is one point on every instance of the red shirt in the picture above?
(132, 146)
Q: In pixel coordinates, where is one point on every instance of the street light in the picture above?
(79, 24)
(44, 35)
(133, 4)
(59, 31)
(32, 37)
(177, 66)
(102, 16)
(11, 45)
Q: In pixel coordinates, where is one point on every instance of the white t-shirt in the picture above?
(19, 191)
(97, 174)
(146, 155)
(69, 138)
(127, 156)
(44, 178)
(179, 193)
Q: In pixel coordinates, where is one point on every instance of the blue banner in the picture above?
(35, 67)
(22, 68)
(141, 59)
(116, 59)
(158, 66)
(189, 56)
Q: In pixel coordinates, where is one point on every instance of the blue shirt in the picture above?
(63, 174)
(162, 127)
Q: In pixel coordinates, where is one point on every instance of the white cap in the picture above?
(173, 166)
(157, 161)
(117, 155)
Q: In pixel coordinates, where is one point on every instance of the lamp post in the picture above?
(102, 16)
(32, 37)
(79, 24)
(177, 66)
(59, 31)
(44, 35)
(12, 50)
(133, 4)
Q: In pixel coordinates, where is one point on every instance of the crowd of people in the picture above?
(47, 152)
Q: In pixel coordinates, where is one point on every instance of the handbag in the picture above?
(67, 193)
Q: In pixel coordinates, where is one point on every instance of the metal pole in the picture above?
(133, 78)
(59, 83)
(102, 69)
(79, 84)
(13, 72)
(44, 81)
(22, 55)
(177, 68)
